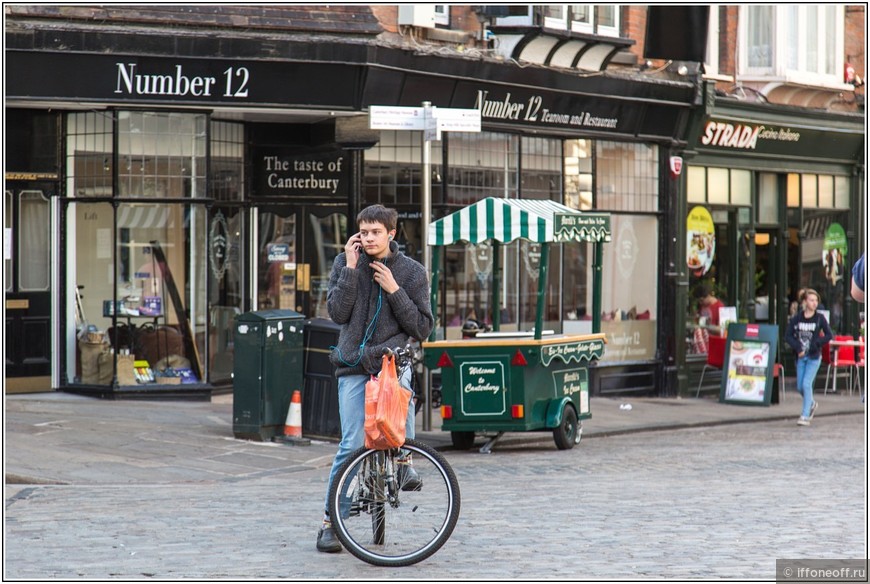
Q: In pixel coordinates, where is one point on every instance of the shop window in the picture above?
(161, 155)
(717, 186)
(629, 288)
(826, 191)
(392, 170)
(122, 254)
(809, 191)
(541, 168)
(578, 174)
(484, 164)
(741, 187)
(627, 176)
(227, 162)
(768, 198)
(826, 261)
(841, 192)
(793, 191)
(90, 157)
(696, 184)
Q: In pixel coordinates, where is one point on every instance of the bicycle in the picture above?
(382, 519)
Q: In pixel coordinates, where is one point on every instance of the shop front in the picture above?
(774, 204)
(194, 187)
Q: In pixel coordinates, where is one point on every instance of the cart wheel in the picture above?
(567, 434)
(462, 440)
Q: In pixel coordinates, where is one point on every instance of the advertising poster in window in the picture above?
(750, 355)
(833, 253)
(700, 241)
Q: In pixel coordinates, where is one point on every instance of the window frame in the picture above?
(779, 68)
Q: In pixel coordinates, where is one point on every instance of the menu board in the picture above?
(750, 355)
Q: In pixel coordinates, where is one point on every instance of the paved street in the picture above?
(713, 502)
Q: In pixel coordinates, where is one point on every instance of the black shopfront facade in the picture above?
(190, 187)
(781, 190)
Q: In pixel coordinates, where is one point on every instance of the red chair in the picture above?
(715, 358)
(779, 376)
(844, 359)
(859, 364)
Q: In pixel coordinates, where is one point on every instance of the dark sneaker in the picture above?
(327, 540)
(408, 477)
(813, 409)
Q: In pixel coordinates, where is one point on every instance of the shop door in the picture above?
(297, 246)
(27, 265)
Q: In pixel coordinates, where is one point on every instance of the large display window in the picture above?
(139, 266)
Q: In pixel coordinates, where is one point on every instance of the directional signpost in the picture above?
(431, 120)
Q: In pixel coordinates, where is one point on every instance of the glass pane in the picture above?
(696, 184)
(577, 288)
(607, 16)
(790, 31)
(811, 37)
(329, 234)
(841, 192)
(225, 300)
(554, 11)
(809, 191)
(627, 176)
(768, 199)
(227, 161)
(578, 174)
(160, 308)
(826, 191)
(541, 168)
(161, 155)
(717, 185)
(34, 255)
(89, 256)
(392, 170)
(793, 190)
(830, 39)
(629, 289)
(760, 32)
(581, 13)
(741, 187)
(277, 265)
(89, 156)
(482, 165)
(8, 253)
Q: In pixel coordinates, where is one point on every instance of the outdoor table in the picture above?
(835, 349)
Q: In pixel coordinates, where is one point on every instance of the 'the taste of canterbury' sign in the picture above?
(281, 172)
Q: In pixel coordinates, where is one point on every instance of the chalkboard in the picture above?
(750, 355)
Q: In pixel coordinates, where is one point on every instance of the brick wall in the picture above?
(855, 41)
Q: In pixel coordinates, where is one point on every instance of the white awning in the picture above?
(505, 220)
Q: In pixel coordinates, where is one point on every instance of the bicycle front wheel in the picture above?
(384, 524)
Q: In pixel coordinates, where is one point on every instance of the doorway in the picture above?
(766, 279)
(296, 248)
(27, 265)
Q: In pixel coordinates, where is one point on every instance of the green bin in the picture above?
(267, 369)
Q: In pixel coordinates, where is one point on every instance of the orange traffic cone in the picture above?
(293, 424)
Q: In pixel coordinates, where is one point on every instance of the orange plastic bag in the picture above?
(386, 408)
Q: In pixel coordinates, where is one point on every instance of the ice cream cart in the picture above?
(517, 381)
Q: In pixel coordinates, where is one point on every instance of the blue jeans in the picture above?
(352, 412)
(806, 376)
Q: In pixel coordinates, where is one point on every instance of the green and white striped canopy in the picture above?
(505, 220)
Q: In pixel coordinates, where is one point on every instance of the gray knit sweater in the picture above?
(352, 300)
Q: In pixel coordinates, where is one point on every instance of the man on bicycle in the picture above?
(380, 297)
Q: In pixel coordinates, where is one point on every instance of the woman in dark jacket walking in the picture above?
(807, 332)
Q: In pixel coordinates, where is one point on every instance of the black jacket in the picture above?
(808, 334)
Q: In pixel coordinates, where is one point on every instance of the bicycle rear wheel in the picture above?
(380, 523)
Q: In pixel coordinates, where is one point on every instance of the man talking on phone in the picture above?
(380, 297)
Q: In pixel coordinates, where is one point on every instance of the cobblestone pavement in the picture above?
(717, 502)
